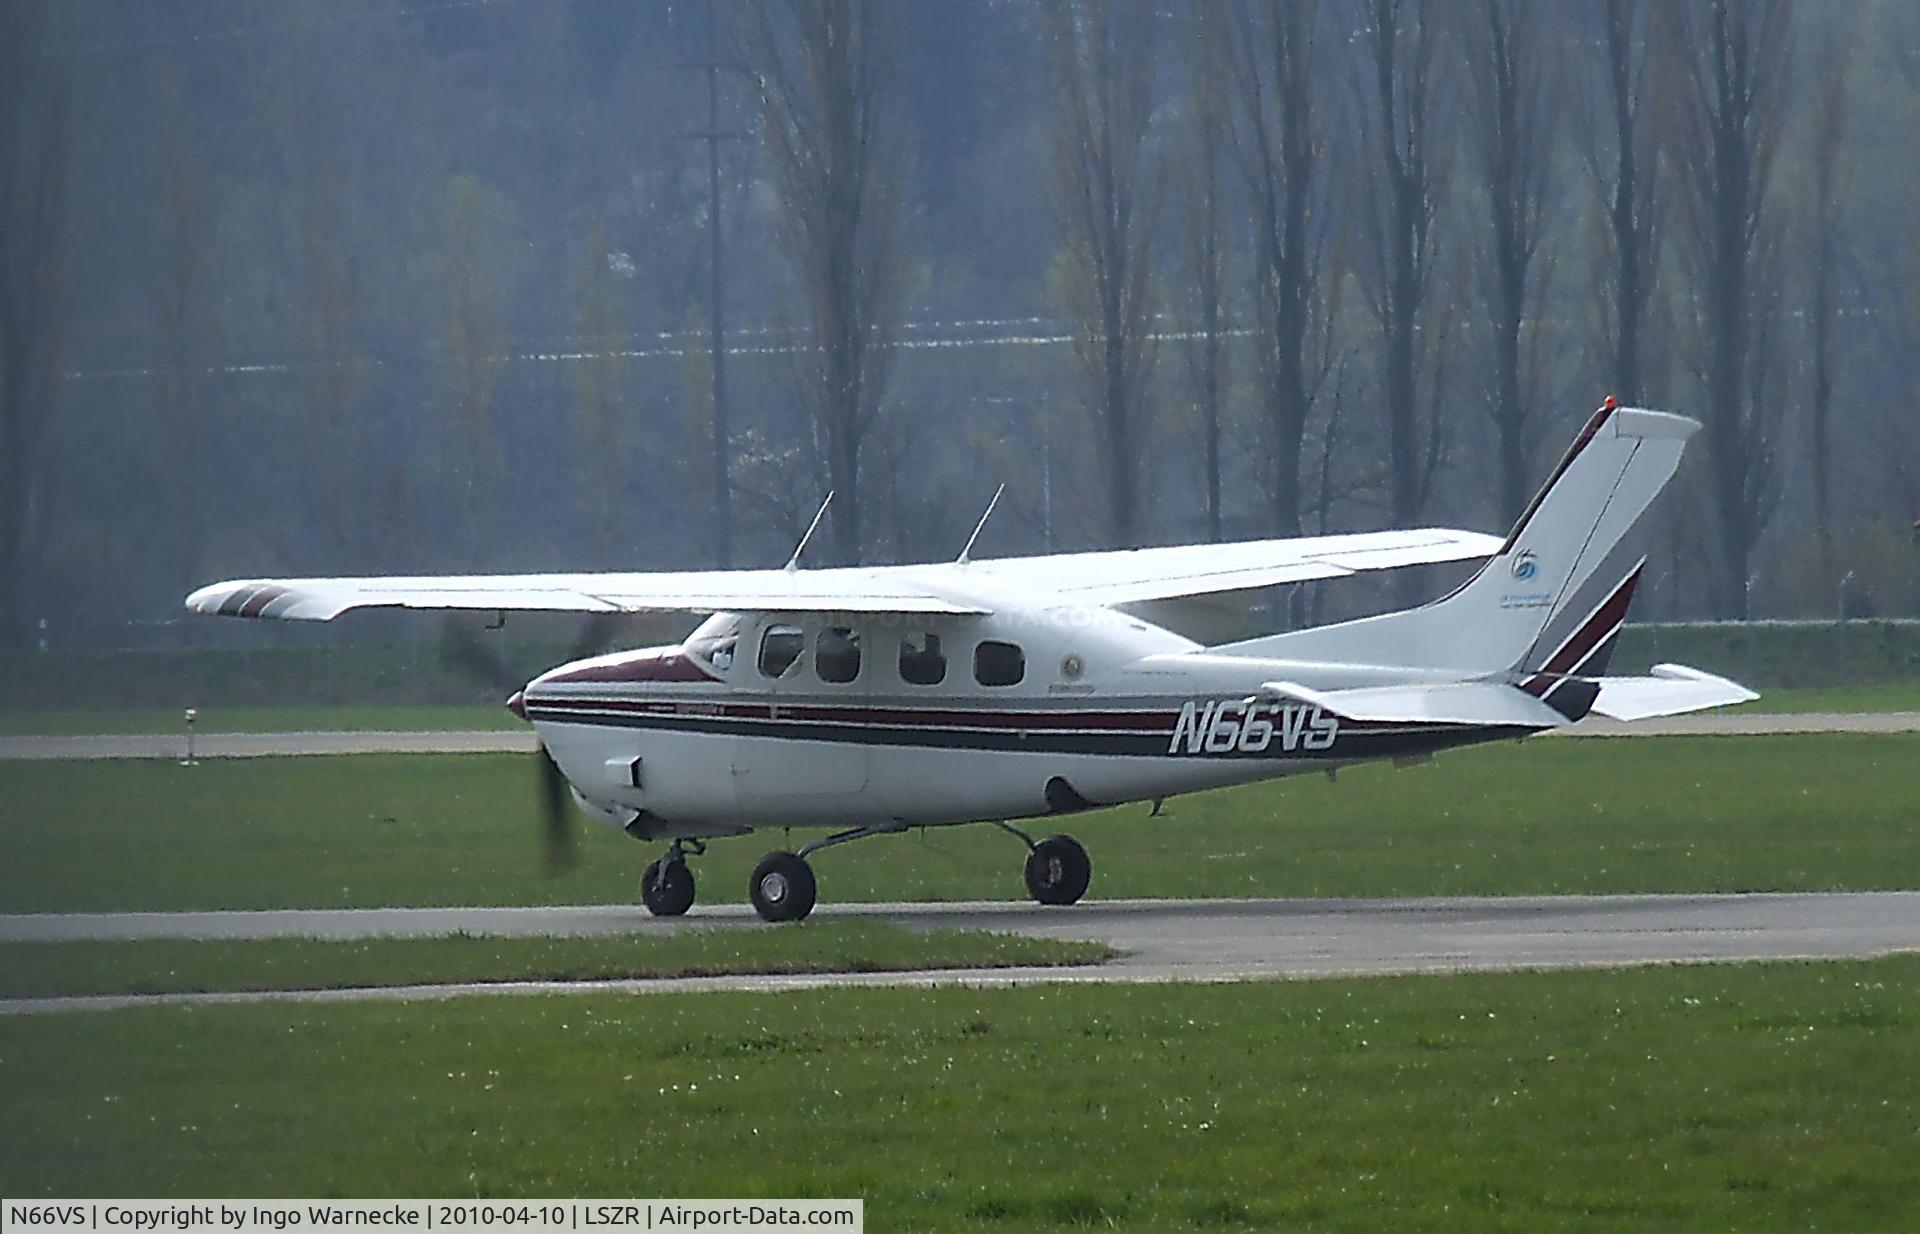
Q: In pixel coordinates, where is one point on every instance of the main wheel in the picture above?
(1058, 870)
(782, 888)
(667, 888)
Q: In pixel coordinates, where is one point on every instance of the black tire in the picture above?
(1058, 870)
(668, 890)
(782, 888)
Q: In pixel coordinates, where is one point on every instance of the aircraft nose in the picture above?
(518, 704)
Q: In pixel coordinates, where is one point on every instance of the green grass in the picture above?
(1893, 696)
(1756, 1097)
(40, 970)
(1812, 812)
(62, 723)
(1816, 654)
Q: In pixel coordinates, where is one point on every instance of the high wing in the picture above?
(1130, 576)
(845, 590)
(1103, 578)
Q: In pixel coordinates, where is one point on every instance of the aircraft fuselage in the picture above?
(784, 719)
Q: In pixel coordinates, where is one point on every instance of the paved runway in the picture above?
(1165, 940)
(521, 741)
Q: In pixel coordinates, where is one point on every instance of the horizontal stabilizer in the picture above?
(1671, 690)
(1466, 702)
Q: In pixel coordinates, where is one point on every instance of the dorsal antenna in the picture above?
(966, 554)
(793, 562)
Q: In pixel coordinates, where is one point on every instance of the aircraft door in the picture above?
(812, 676)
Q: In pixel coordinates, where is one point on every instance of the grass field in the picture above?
(61, 723)
(40, 970)
(1699, 1098)
(1697, 814)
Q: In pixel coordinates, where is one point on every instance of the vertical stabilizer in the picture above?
(1549, 604)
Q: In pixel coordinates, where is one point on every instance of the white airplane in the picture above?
(876, 699)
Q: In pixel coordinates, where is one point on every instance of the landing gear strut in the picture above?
(1058, 869)
(782, 887)
(667, 886)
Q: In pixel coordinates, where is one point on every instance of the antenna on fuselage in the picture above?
(966, 554)
(793, 562)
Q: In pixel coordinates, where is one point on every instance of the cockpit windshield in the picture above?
(713, 643)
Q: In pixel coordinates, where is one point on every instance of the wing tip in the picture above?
(254, 598)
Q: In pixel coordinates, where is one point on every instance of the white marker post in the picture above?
(190, 760)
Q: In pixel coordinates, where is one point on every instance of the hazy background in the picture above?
(379, 285)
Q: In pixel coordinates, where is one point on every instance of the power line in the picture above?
(245, 32)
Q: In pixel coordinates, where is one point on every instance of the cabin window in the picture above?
(922, 663)
(836, 655)
(780, 648)
(999, 664)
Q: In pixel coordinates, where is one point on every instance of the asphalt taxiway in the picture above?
(1163, 940)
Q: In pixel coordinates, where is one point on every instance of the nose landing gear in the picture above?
(667, 886)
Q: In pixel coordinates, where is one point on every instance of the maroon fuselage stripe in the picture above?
(653, 666)
(1119, 721)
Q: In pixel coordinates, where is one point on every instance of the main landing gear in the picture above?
(783, 888)
(667, 886)
(1058, 869)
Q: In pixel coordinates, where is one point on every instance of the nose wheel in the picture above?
(782, 888)
(667, 886)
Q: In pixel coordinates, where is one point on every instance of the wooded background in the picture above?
(428, 285)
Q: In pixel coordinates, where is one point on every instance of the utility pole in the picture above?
(716, 307)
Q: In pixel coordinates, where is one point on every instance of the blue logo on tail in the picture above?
(1525, 566)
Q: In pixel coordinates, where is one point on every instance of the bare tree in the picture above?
(34, 158)
(1828, 134)
(1624, 153)
(473, 344)
(1106, 194)
(598, 382)
(1205, 234)
(1395, 267)
(1513, 120)
(184, 315)
(327, 307)
(1273, 51)
(1732, 93)
(1397, 104)
(825, 70)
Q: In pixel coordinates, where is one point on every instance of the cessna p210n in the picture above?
(882, 698)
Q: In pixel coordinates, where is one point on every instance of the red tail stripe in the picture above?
(1604, 621)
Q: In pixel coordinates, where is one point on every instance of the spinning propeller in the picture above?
(466, 653)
